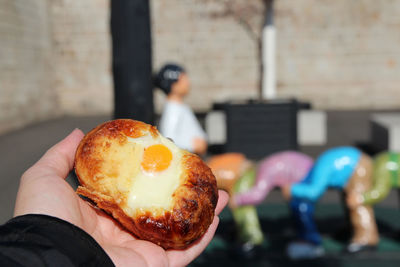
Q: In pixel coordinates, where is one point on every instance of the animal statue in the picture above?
(235, 174)
(344, 168)
(386, 176)
(248, 185)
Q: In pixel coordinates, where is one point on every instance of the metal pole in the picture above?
(131, 60)
(268, 54)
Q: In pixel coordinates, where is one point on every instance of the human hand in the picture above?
(199, 146)
(354, 199)
(232, 203)
(43, 190)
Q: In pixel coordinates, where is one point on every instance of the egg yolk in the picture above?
(156, 158)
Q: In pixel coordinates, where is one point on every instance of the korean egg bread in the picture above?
(156, 190)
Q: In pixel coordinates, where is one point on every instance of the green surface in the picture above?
(277, 226)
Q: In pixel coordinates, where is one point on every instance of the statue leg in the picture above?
(310, 244)
(245, 217)
(248, 225)
(365, 232)
(303, 216)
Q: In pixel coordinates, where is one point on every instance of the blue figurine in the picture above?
(345, 168)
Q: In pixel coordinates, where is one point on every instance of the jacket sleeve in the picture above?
(41, 240)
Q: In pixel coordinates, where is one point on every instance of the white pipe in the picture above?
(268, 56)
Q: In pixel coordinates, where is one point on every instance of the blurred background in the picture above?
(67, 64)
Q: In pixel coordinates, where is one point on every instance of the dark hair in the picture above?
(167, 76)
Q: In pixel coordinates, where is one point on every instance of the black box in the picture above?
(259, 128)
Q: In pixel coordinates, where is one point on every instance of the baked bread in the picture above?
(156, 190)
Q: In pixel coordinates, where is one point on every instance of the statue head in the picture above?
(171, 76)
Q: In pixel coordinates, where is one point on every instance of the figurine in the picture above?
(386, 175)
(236, 174)
(277, 170)
(346, 168)
(177, 119)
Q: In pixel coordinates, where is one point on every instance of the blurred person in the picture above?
(53, 226)
(178, 121)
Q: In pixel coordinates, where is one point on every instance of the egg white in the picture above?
(154, 190)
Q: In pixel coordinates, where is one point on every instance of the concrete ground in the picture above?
(22, 148)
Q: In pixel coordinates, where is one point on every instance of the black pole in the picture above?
(131, 60)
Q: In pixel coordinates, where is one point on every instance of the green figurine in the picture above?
(386, 175)
(236, 174)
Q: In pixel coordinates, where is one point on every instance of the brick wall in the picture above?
(337, 54)
(55, 55)
(82, 55)
(26, 91)
(55, 60)
(217, 53)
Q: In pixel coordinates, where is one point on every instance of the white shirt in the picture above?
(180, 124)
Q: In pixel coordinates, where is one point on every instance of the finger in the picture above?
(223, 198)
(184, 257)
(59, 159)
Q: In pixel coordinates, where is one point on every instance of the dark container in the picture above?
(260, 128)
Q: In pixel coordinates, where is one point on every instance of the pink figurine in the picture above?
(279, 169)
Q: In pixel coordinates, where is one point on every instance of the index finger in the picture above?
(223, 198)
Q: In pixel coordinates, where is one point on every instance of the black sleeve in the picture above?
(41, 240)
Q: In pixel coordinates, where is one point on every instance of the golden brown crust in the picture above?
(194, 200)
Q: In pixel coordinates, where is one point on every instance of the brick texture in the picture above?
(218, 53)
(82, 55)
(339, 54)
(56, 55)
(26, 71)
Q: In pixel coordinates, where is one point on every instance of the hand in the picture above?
(199, 146)
(43, 190)
(286, 191)
(353, 200)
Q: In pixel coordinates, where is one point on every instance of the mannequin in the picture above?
(178, 121)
